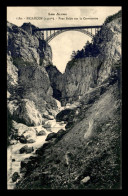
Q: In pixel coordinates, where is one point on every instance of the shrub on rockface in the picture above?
(111, 18)
(90, 49)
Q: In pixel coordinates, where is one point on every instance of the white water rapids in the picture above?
(13, 153)
(13, 150)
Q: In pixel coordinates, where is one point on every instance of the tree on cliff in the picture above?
(90, 49)
(73, 54)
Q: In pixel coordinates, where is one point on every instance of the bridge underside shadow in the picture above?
(52, 36)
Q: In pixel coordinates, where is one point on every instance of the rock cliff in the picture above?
(55, 77)
(83, 74)
(30, 94)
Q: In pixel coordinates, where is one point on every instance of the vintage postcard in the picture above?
(64, 85)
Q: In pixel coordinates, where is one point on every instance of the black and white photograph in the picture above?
(64, 97)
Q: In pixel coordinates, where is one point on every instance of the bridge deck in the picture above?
(64, 28)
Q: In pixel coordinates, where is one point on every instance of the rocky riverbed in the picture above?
(15, 155)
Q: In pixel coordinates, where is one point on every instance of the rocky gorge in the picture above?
(64, 130)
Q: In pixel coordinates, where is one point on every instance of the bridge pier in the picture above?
(46, 34)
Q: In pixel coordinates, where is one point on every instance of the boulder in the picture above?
(29, 150)
(40, 151)
(30, 134)
(50, 136)
(23, 140)
(69, 125)
(47, 125)
(63, 115)
(60, 133)
(42, 132)
(25, 111)
(13, 160)
(19, 128)
(26, 149)
(13, 142)
(23, 149)
(23, 133)
(49, 129)
(84, 180)
(46, 145)
(24, 162)
(15, 177)
(28, 164)
(30, 141)
(49, 117)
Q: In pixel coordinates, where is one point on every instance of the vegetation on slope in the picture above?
(97, 156)
(113, 17)
(92, 49)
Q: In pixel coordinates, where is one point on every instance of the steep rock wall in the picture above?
(28, 82)
(109, 42)
(83, 74)
(78, 79)
(54, 75)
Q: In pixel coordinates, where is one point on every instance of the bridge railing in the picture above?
(66, 28)
(59, 30)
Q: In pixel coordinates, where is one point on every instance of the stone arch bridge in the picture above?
(51, 33)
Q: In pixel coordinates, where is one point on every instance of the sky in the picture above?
(62, 45)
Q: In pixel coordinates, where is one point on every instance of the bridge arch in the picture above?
(88, 30)
(52, 36)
